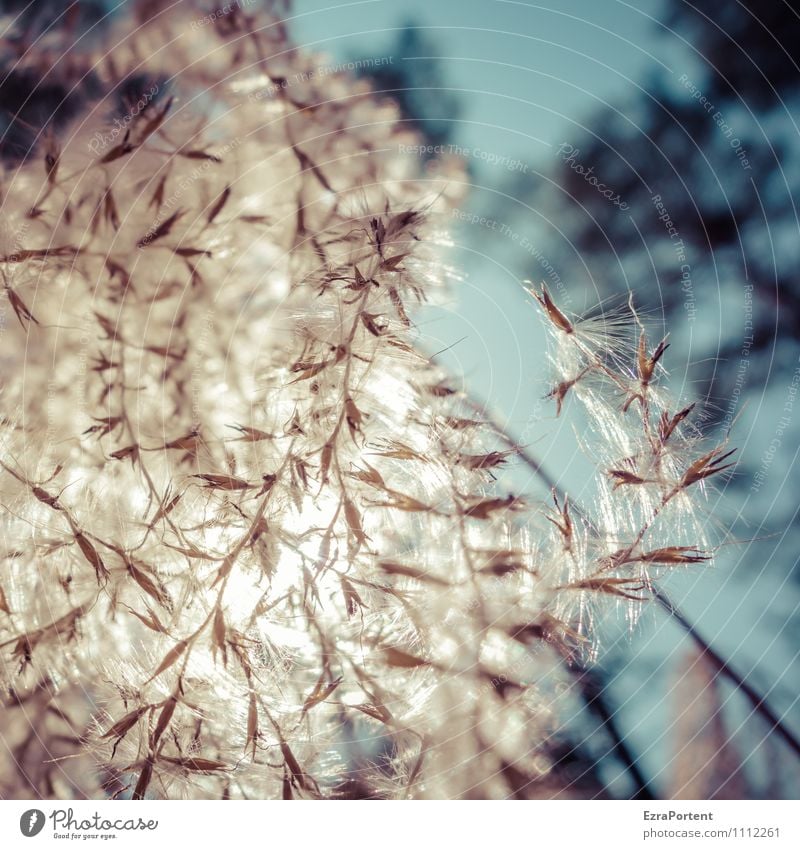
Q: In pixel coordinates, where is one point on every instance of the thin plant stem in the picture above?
(756, 699)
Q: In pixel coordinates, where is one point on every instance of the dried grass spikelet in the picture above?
(252, 543)
(652, 458)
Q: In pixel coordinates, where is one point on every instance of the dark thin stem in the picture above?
(592, 688)
(512, 443)
(755, 698)
(593, 691)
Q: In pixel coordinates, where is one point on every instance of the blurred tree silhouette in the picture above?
(706, 157)
(713, 138)
(34, 18)
(416, 82)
